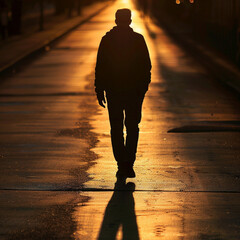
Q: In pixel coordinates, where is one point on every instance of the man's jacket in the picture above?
(123, 63)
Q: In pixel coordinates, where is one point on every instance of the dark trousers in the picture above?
(124, 109)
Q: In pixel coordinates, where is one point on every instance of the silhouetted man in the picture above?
(123, 73)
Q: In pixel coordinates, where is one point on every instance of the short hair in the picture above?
(123, 15)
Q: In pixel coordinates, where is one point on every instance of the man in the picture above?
(123, 73)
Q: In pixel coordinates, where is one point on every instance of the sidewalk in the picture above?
(57, 170)
(17, 50)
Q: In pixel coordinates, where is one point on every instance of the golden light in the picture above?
(191, 1)
(178, 1)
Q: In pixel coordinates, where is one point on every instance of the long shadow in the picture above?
(120, 212)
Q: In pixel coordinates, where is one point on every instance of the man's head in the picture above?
(123, 17)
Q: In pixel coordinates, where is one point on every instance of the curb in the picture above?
(26, 57)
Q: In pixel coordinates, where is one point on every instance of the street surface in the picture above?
(57, 167)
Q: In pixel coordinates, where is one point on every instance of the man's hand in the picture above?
(101, 99)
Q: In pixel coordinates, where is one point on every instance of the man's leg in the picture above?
(115, 110)
(133, 110)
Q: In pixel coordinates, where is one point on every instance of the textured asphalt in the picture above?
(57, 168)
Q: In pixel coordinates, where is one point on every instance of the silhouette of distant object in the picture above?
(120, 212)
(123, 72)
(3, 19)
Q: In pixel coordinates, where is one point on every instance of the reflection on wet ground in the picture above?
(150, 215)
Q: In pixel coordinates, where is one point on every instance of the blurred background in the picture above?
(214, 22)
(21, 16)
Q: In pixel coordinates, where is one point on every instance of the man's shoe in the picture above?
(125, 169)
(131, 173)
(122, 170)
(121, 173)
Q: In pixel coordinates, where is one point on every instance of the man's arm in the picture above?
(145, 65)
(100, 73)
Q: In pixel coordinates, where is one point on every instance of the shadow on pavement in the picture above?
(120, 212)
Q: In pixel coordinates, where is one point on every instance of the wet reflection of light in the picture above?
(170, 216)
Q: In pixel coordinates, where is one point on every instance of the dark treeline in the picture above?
(14, 12)
(216, 22)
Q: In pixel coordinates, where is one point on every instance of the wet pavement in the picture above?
(57, 168)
